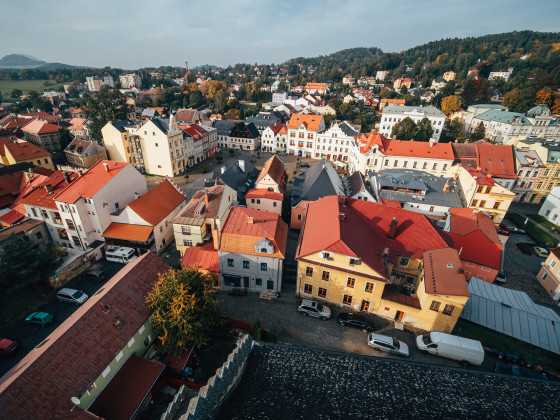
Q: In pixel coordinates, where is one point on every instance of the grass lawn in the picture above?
(6, 86)
(212, 357)
(493, 339)
(540, 237)
(18, 304)
(540, 219)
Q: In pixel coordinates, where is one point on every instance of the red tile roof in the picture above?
(17, 123)
(74, 354)
(158, 203)
(185, 115)
(479, 177)
(126, 391)
(91, 181)
(443, 273)
(363, 231)
(275, 168)
(41, 115)
(40, 127)
(40, 196)
(391, 147)
(22, 150)
(310, 121)
(123, 231)
(497, 160)
(205, 257)
(239, 235)
(11, 218)
(264, 193)
(276, 127)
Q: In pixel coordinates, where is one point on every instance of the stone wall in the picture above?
(216, 391)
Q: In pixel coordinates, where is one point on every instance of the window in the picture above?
(309, 271)
(414, 165)
(365, 306)
(70, 225)
(264, 267)
(326, 275)
(404, 261)
(274, 203)
(553, 263)
(45, 214)
(252, 201)
(480, 189)
(475, 203)
(448, 310)
(186, 230)
(307, 288)
(482, 203)
(347, 300)
(299, 216)
(351, 282)
(544, 276)
(322, 292)
(34, 211)
(425, 166)
(230, 262)
(431, 209)
(497, 204)
(435, 166)
(369, 287)
(187, 242)
(435, 305)
(258, 282)
(245, 264)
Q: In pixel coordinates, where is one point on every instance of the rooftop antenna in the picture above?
(187, 67)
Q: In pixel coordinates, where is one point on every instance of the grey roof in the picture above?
(538, 110)
(120, 125)
(223, 126)
(522, 156)
(162, 124)
(318, 181)
(264, 119)
(512, 313)
(348, 129)
(241, 180)
(290, 382)
(150, 113)
(355, 183)
(491, 106)
(432, 187)
(503, 117)
(552, 145)
(428, 111)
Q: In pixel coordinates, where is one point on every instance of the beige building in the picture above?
(84, 153)
(265, 200)
(549, 274)
(12, 152)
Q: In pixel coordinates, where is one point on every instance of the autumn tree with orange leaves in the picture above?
(185, 308)
(544, 97)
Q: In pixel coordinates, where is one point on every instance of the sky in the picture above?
(133, 34)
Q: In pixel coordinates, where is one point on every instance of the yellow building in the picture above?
(367, 257)
(84, 153)
(12, 152)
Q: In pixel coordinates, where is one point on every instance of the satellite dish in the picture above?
(75, 400)
(321, 254)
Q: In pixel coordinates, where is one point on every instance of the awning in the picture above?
(128, 232)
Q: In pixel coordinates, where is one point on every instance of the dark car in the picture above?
(512, 228)
(40, 318)
(355, 320)
(304, 165)
(94, 275)
(7, 347)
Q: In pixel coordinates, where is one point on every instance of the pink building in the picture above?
(264, 199)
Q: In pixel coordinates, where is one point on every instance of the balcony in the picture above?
(397, 294)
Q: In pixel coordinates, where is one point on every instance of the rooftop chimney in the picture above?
(48, 188)
(250, 220)
(136, 195)
(29, 175)
(206, 196)
(341, 217)
(66, 176)
(393, 228)
(106, 166)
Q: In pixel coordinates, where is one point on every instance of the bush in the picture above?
(257, 331)
(205, 168)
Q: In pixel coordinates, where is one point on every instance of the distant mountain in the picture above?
(19, 61)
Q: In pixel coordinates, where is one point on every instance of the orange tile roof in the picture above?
(42, 115)
(158, 203)
(479, 177)
(264, 193)
(497, 160)
(275, 168)
(91, 181)
(40, 127)
(23, 150)
(315, 86)
(410, 148)
(17, 123)
(240, 236)
(283, 130)
(205, 257)
(392, 101)
(40, 197)
(310, 121)
(443, 273)
(128, 232)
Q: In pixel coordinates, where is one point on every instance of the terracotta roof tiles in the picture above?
(158, 202)
(205, 257)
(443, 273)
(310, 121)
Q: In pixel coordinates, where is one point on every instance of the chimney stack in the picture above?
(106, 166)
(341, 217)
(250, 220)
(136, 195)
(206, 196)
(29, 175)
(393, 228)
(48, 188)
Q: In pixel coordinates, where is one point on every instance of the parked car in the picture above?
(452, 347)
(349, 319)
(40, 318)
(512, 228)
(387, 344)
(94, 275)
(71, 295)
(541, 252)
(314, 309)
(7, 347)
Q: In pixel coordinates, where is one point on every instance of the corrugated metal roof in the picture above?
(512, 313)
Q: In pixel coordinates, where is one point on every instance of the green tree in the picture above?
(64, 137)
(185, 307)
(479, 132)
(425, 130)
(511, 99)
(107, 105)
(16, 93)
(453, 130)
(21, 264)
(404, 130)
(195, 99)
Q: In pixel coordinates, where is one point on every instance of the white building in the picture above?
(551, 206)
(381, 74)
(529, 168)
(268, 141)
(336, 143)
(130, 80)
(303, 131)
(394, 114)
(503, 74)
(86, 205)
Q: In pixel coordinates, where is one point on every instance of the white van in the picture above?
(120, 254)
(452, 347)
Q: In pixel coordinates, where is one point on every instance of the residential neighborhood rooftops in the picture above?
(496, 160)
(317, 181)
(40, 127)
(84, 148)
(204, 204)
(205, 257)
(21, 150)
(311, 122)
(274, 168)
(43, 194)
(158, 202)
(264, 193)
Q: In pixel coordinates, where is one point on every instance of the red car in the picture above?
(7, 347)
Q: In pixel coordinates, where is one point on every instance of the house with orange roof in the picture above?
(316, 88)
(84, 153)
(386, 101)
(78, 127)
(203, 216)
(43, 134)
(146, 223)
(273, 176)
(20, 151)
(400, 82)
(303, 131)
(264, 199)
(386, 261)
(87, 203)
(252, 249)
(205, 258)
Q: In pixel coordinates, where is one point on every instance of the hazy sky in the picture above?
(132, 34)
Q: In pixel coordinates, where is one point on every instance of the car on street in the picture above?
(94, 275)
(349, 319)
(312, 308)
(512, 228)
(541, 252)
(388, 344)
(40, 318)
(7, 347)
(71, 295)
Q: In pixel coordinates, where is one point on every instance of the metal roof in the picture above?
(512, 313)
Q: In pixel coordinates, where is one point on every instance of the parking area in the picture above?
(281, 318)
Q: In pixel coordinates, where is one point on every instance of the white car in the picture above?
(71, 295)
(388, 344)
(315, 309)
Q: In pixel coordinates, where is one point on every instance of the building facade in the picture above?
(335, 144)
(395, 114)
(303, 131)
(549, 274)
